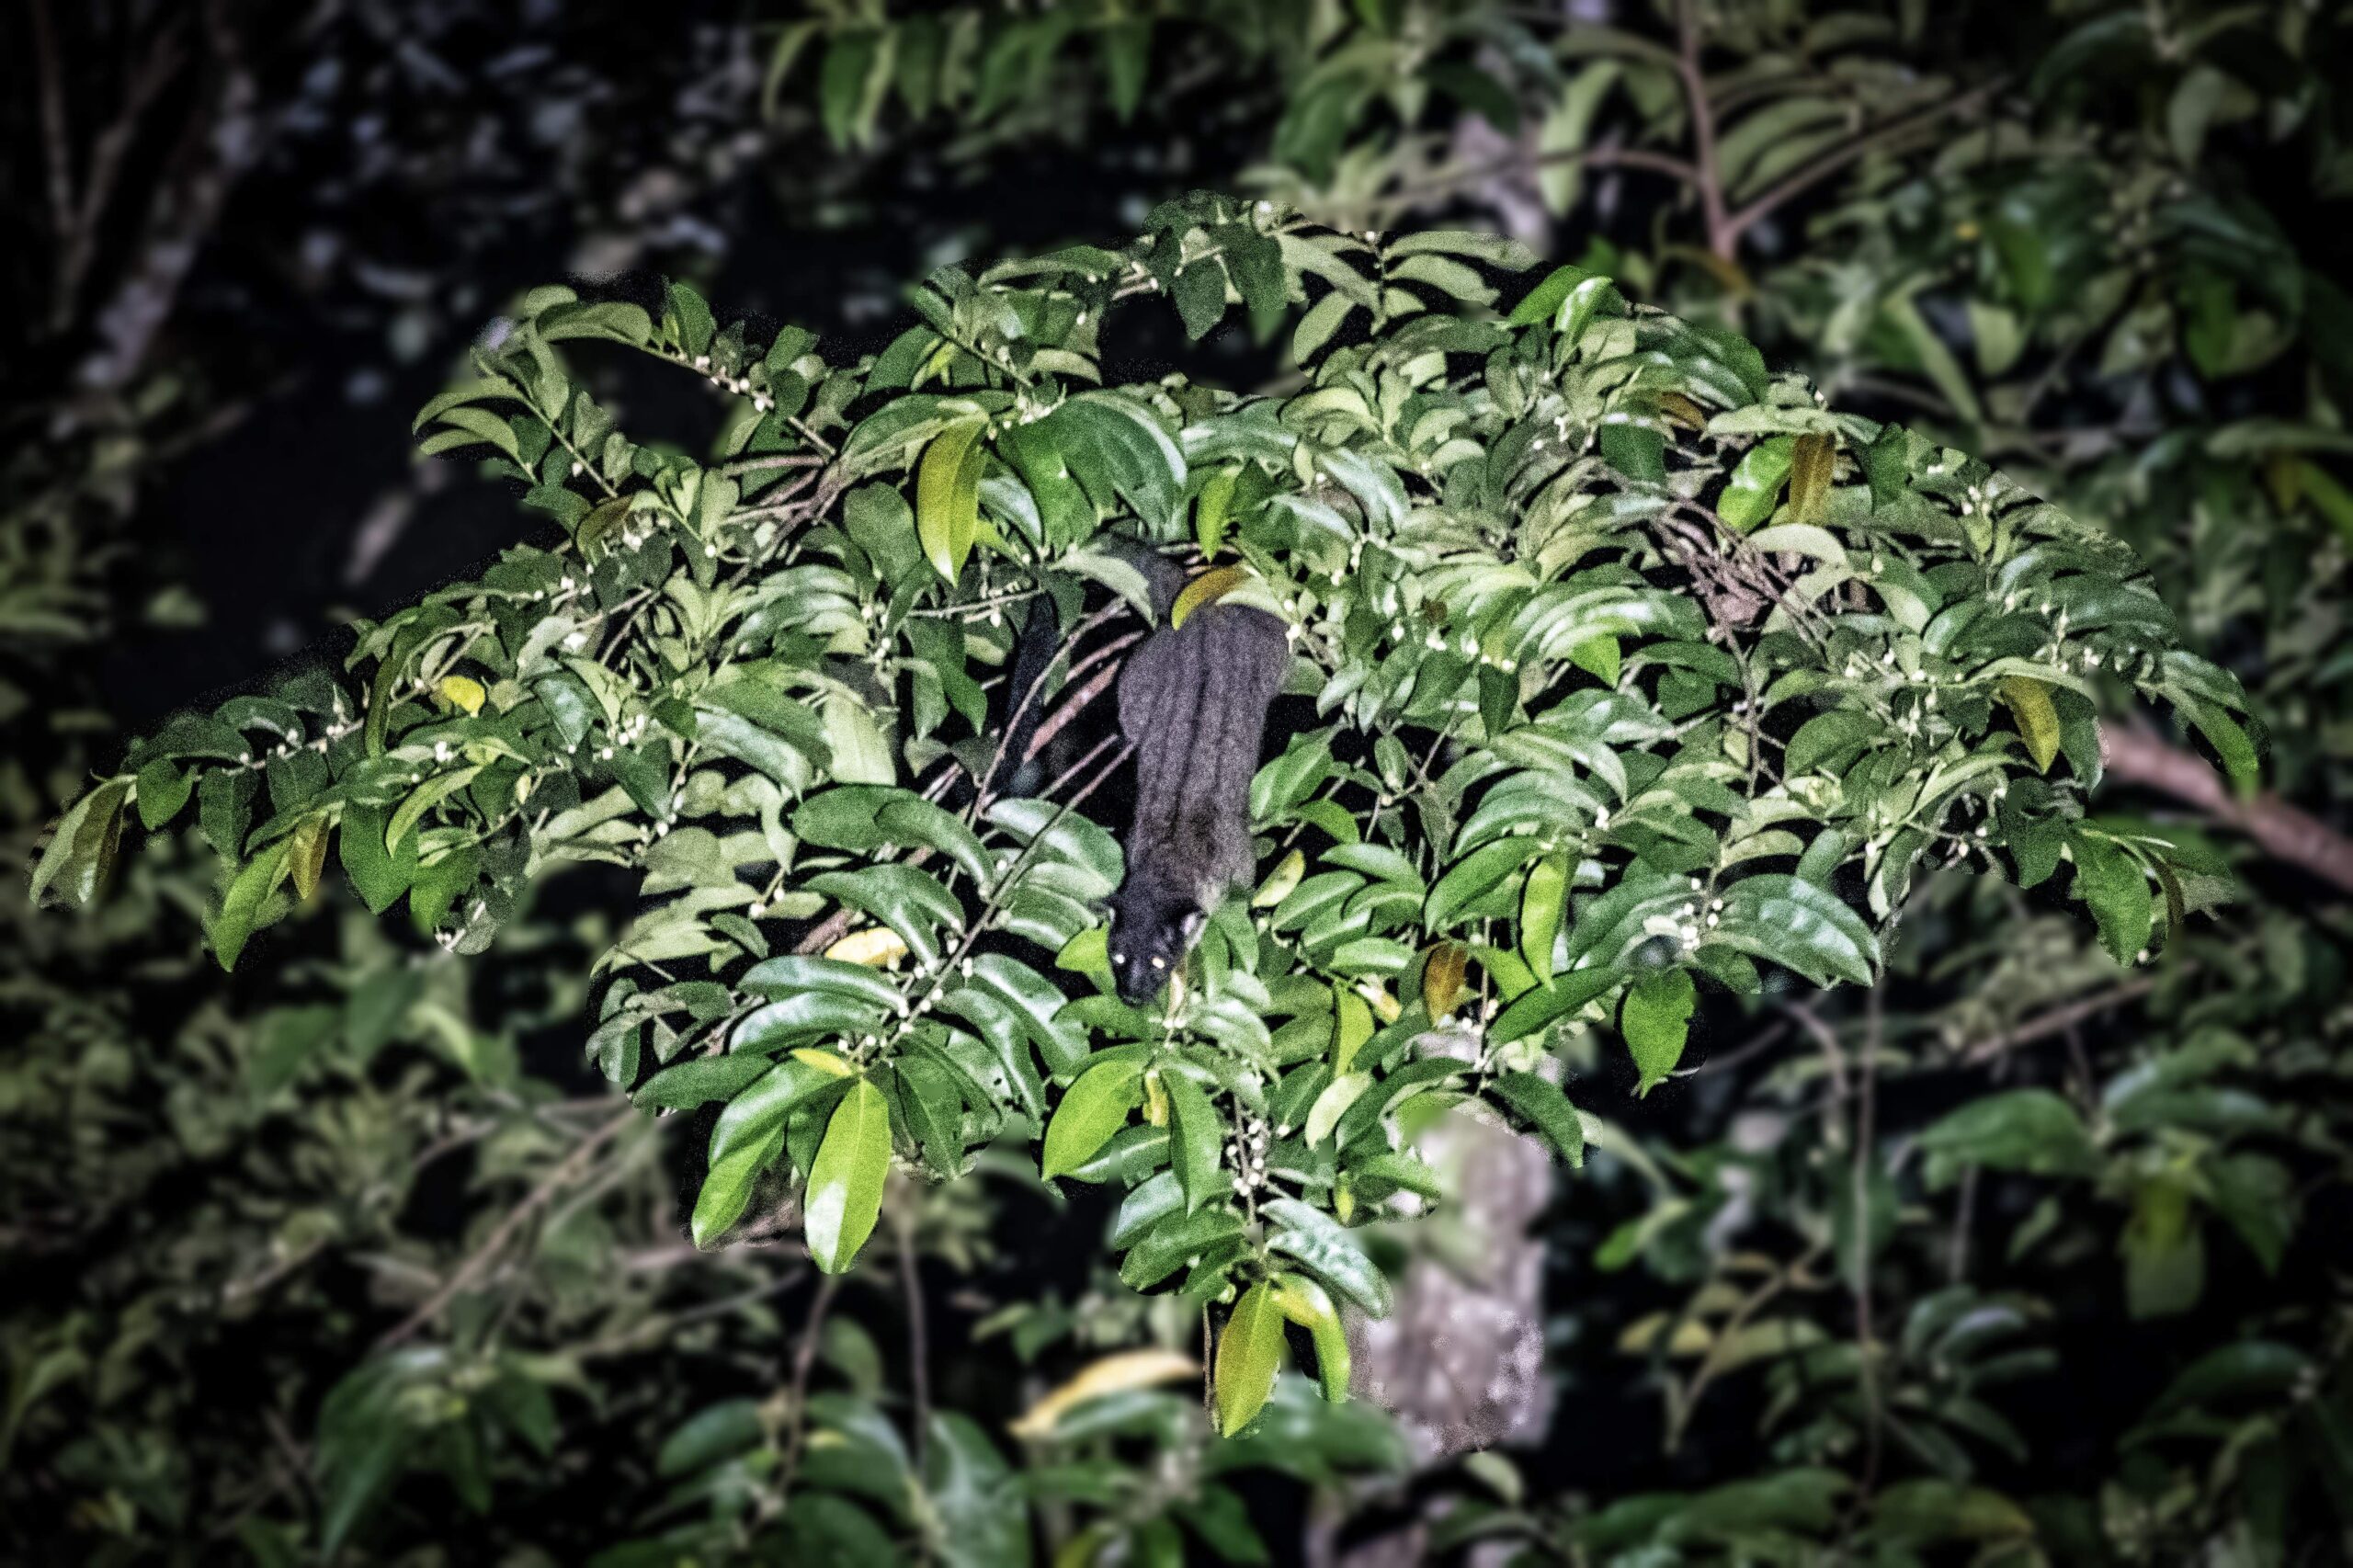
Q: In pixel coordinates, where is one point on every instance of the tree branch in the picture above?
(2286, 833)
(1707, 170)
(1862, 144)
(2058, 1020)
(566, 1169)
(51, 72)
(1407, 198)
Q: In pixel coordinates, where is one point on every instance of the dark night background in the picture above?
(249, 237)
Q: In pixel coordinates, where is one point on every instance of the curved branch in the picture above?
(2287, 833)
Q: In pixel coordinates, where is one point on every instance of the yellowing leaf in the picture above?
(1249, 1353)
(1113, 1374)
(825, 1062)
(1681, 410)
(1690, 1336)
(877, 947)
(2029, 703)
(461, 692)
(1352, 1025)
(1442, 976)
(1206, 589)
(1813, 461)
(309, 857)
(947, 497)
(1214, 509)
(1280, 882)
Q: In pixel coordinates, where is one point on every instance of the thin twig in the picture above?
(1407, 197)
(1707, 167)
(480, 1258)
(1070, 708)
(1859, 1227)
(1870, 140)
(805, 1361)
(2289, 834)
(2057, 1021)
(918, 1336)
(51, 72)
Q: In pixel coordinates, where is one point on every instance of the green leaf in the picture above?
(1545, 1107)
(423, 799)
(1117, 448)
(1828, 742)
(1316, 328)
(82, 846)
(162, 790)
(1541, 904)
(1173, 1243)
(931, 1109)
(2111, 882)
(243, 904)
(1249, 1353)
(1324, 1246)
(1657, 1020)
(1799, 925)
(1333, 1103)
(1531, 1010)
(910, 902)
(760, 1111)
(727, 1186)
(1197, 1139)
(1473, 877)
(2031, 1131)
(685, 1085)
(1754, 488)
(1305, 1302)
(1094, 1107)
(378, 875)
(783, 977)
(947, 497)
(693, 316)
(846, 1180)
(1638, 451)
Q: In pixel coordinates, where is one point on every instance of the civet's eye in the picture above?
(1119, 958)
(1160, 963)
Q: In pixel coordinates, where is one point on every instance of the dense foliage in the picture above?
(2086, 342)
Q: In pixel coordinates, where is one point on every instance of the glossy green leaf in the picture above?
(947, 497)
(1545, 1108)
(1305, 1302)
(1197, 1139)
(1095, 1106)
(1657, 1020)
(846, 1180)
(1249, 1354)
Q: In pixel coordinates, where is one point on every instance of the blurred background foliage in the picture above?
(2021, 1256)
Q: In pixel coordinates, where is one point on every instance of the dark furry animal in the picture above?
(1193, 702)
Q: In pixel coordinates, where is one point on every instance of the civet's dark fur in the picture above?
(1193, 702)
